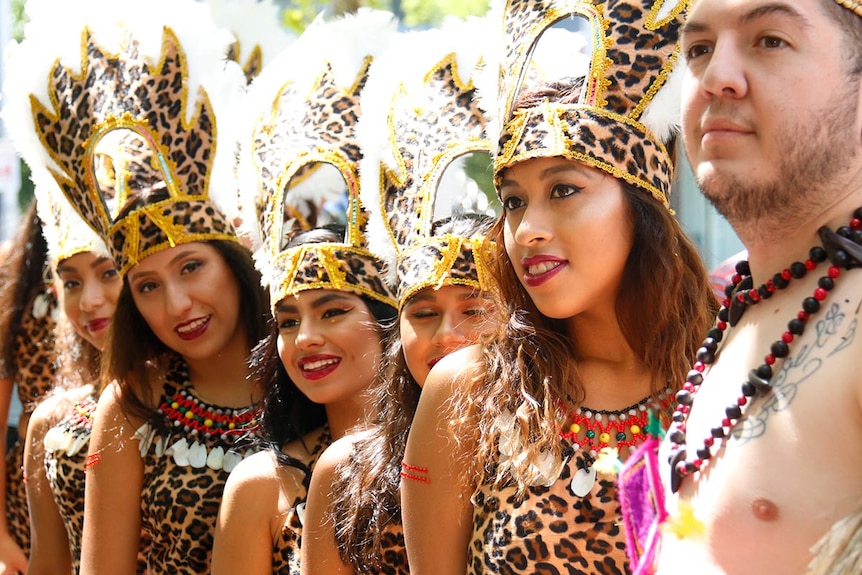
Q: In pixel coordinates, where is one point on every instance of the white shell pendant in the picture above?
(197, 455)
(583, 481)
(77, 444)
(180, 452)
(230, 459)
(40, 306)
(215, 460)
(300, 513)
(57, 439)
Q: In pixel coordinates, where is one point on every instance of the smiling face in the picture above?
(770, 115)
(568, 233)
(190, 298)
(90, 287)
(434, 323)
(329, 344)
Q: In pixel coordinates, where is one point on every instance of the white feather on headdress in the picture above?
(254, 24)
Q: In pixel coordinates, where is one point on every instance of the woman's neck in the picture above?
(344, 415)
(225, 378)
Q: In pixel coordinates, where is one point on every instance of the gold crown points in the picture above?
(852, 5)
(328, 266)
(285, 144)
(158, 112)
(462, 261)
(409, 190)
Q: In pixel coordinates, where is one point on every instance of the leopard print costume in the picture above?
(179, 503)
(550, 531)
(286, 547)
(393, 551)
(34, 377)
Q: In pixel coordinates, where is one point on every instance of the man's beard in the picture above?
(815, 149)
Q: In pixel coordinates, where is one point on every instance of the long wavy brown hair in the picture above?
(529, 366)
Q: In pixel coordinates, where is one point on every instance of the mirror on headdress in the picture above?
(558, 62)
(467, 186)
(316, 196)
(124, 165)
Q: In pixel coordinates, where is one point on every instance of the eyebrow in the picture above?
(428, 296)
(316, 304)
(774, 8)
(135, 275)
(558, 168)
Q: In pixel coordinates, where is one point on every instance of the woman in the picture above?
(28, 305)
(353, 516)
(515, 445)
(59, 429)
(178, 404)
(330, 302)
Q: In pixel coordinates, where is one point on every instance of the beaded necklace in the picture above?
(73, 432)
(844, 249)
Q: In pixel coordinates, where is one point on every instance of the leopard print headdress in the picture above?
(420, 117)
(91, 69)
(258, 33)
(299, 159)
(623, 116)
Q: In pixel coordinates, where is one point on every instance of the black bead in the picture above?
(764, 371)
(733, 412)
(858, 214)
(678, 416)
(780, 349)
(710, 344)
(779, 281)
(717, 432)
(728, 289)
(818, 254)
(722, 314)
(826, 283)
(748, 389)
(764, 293)
(796, 326)
(704, 453)
(694, 377)
(742, 268)
(683, 397)
(798, 270)
(705, 355)
(715, 333)
(840, 258)
(856, 236)
(810, 305)
(844, 231)
(678, 437)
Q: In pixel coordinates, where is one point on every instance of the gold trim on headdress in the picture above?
(635, 46)
(852, 5)
(305, 106)
(151, 100)
(421, 115)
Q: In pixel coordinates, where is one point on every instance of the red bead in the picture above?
(834, 271)
(725, 422)
(697, 463)
(709, 441)
(770, 287)
(699, 366)
(722, 325)
(681, 468)
(736, 279)
(810, 264)
(742, 400)
(755, 297)
(688, 386)
(856, 223)
(802, 316)
(786, 274)
(740, 297)
(769, 359)
(820, 294)
(787, 337)
(725, 303)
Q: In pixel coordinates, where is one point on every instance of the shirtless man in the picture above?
(772, 123)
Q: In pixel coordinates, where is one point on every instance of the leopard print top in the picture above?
(64, 469)
(181, 498)
(393, 551)
(286, 547)
(33, 375)
(551, 531)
